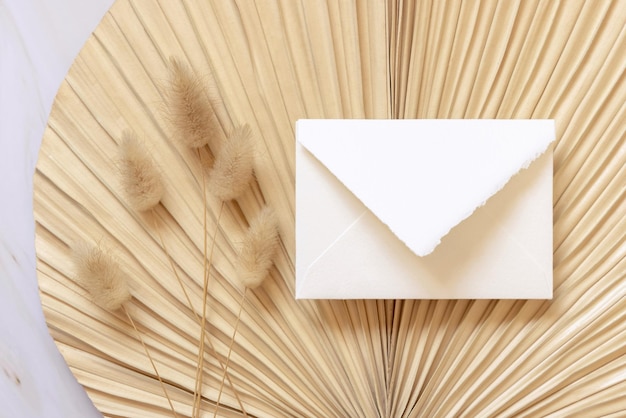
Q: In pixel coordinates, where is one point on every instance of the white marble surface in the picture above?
(38, 42)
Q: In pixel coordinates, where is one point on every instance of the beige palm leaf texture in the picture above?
(274, 62)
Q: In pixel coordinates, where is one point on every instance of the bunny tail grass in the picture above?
(258, 249)
(233, 166)
(189, 108)
(141, 179)
(99, 273)
(255, 259)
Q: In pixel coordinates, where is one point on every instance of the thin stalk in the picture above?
(207, 274)
(145, 348)
(230, 350)
(210, 344)
(200, 363)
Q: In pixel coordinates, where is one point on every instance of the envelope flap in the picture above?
(423, 177)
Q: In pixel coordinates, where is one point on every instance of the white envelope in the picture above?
(424, 209)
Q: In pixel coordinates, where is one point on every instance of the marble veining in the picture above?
(38, 42)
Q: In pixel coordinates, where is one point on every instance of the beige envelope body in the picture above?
(424, 209)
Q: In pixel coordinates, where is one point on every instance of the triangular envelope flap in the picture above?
(423, 177)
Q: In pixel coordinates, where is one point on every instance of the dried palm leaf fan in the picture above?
(274, 62)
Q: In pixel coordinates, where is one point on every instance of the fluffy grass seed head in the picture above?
(189, 108)
(140, 177)
(99, 273)
(258, 249)
(232, 170)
